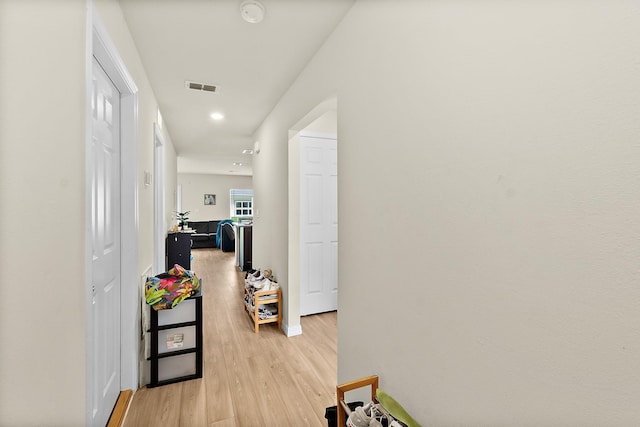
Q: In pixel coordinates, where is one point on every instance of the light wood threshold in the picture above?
(120, 410)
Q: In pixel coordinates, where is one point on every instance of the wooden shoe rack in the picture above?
(260, 298)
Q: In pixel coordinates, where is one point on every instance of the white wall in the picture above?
(42, 203)
(326, 123)
(508, 293)
(42, 128)
(195, 186)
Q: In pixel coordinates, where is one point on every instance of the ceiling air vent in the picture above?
(201, 86)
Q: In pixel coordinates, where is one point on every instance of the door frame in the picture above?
(158, 200)
(291, 310)
(100, 45)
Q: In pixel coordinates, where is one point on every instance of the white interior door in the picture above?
(105, 226)
(318, 224)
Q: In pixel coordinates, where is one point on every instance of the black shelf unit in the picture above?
(156, 357)
(245, 247)
(178, 250)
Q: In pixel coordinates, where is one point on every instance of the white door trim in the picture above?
(291, 303)
(158, 198)
(100, 45)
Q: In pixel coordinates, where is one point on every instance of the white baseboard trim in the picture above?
(292, 331)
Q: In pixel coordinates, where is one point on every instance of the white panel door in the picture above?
(318, 225)
(105, 226)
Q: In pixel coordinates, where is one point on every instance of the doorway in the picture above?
(105, 231)
(318, 223)
(158, 199)
(125, 299)
(320, 122)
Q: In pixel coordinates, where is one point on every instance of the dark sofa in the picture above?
(205, 235)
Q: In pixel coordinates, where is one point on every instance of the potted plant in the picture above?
(182, 218)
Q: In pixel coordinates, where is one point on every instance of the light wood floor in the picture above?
(250, 379)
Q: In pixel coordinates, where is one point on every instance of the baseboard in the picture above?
(292, 331)
(120, 410)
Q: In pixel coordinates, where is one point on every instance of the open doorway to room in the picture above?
(313, 215)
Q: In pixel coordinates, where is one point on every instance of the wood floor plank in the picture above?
(155, 406)
(193, 410)
(249, 379)
(230, 422)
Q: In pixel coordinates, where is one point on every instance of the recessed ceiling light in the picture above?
(252, 11)
(237, 164)
(217, 116)
(247, 151)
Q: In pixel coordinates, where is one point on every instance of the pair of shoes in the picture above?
(265, 285)
(371, 415)
(364, 416)
(261, 285)
(359, 417)
(252, 275)
(254, 280)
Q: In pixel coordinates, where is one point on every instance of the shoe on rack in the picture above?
(267, 285)
(253, 279)
(360, 416)
(259, 285)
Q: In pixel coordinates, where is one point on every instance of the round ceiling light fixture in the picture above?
(252, 11)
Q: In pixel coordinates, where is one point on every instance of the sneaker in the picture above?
(258, 278)
(379, 416)
(360, 417)
(261, 285)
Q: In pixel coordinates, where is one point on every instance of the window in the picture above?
(243, 208)
(241, 205)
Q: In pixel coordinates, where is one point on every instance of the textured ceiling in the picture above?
(252, 65)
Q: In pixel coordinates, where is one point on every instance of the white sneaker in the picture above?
(261, 285)
(360, 416)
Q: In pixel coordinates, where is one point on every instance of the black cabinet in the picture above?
(179, 250)
(176, 342)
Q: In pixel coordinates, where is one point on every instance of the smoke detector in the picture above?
(252, 11)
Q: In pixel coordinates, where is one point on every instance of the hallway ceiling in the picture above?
(252, 65)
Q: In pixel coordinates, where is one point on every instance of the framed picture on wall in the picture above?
(209, 199)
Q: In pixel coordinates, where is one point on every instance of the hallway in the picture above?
(249, 379)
